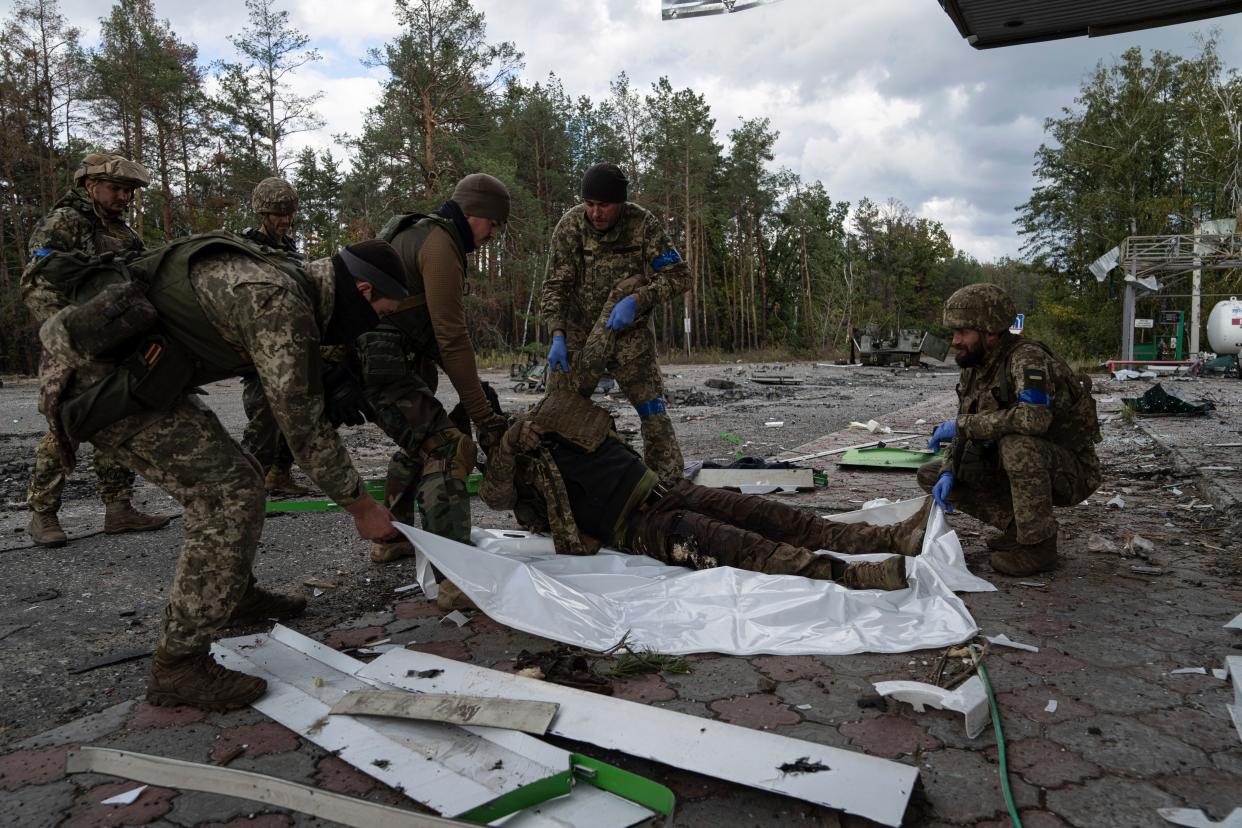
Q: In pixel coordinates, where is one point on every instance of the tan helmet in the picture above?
(981, 307)
(274, 195)
(116, 168)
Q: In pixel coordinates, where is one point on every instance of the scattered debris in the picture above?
(1051, 706)
(1099, 543)
(319, 583)
(1033, 584)
(1130, 374)
(733, 478)
(1146, 570)
(970, 699)
(873, 426)
(116, 658)
(41, 595)
(457, 617)
(1234, 665)
(888, 457)
(1118, 502)
(774, 424)
(627, 661)
(887, 441)
(1190, 818)
(777, 380)
(803, 765)
(406, 588)
(511, 714)
(1181, 671)
(1236, 623)
(126, 798)
(1137, 546)
(237, 750)
(722, 384)
(1003, 640)
(1159, 401)
(565, 665)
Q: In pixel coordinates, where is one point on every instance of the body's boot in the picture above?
(1005, 541)
(260, 605)
(44, 529)
(279, 481)
(121, 516)
(888, 574)
(198, 681)
(909, 533)
(450, 597)
(387, 552)
(1027, 558)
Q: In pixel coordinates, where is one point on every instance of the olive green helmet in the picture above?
(116, 168)
(981, 307)
(274, 195)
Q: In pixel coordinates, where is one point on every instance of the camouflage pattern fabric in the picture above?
(587, 268)
(980, 307)
(73, 225)
(262, 436)
(1026, 435)
(285, 244)
(188, 454)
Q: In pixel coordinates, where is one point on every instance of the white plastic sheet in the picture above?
(517, 579)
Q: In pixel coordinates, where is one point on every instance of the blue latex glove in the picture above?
(622, 315)
(558, 355)
(944, 432)
(941, 490)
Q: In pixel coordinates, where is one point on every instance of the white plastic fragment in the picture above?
(970, 699)
(125, 798)
(1051, 706)
(406, 588)
(1181, 671)
(775, 424)
(1220, 673)
(1099, 543)
(1236, 623)
(803, 707)
(1003, 640)
(457, 617)
(1190, 818)
(1234, 665)
(1118, 502)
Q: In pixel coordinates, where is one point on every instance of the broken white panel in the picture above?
(1051, 706)
(1234, 665)
(1003, 640)
(969, 699)
(590, 601)
(1181, 671)
(126, 798)
(1100, 267)
(257, 787)
(513, 714)
(1235, 624)
(448, 768)
(855, 783)
(1197, 819)
(733, 478)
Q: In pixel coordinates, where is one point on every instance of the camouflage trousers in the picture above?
(630, 358)
(188, 454)
(262, 436)
(701, 527)
(431, 466)
(1019, 486)
(47, 482)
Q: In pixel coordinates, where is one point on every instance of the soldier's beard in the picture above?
(972, 356)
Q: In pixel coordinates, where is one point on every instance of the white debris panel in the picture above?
(517, 579)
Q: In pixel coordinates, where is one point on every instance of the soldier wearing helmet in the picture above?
(89, 219)
(274, 201)
(1024, 437)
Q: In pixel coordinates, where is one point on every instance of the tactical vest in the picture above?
(413, 319)
(192, 351)
(102, 242)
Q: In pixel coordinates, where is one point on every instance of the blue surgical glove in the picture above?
(941, 490)
(944, 432)
(622, 315)
(558, 355)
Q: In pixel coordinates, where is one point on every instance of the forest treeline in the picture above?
(775, 260)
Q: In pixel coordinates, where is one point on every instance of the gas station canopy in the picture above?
(987, 24)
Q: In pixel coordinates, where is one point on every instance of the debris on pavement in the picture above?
(803, 765)
(115, 658)
(1137, 546)
(1146, 570)
(126, 798)
(1099, 543)
(873, 426)
(1159, 401)
(1117, 502)
(1051, 706)
(970, 699)
(457, 617)
(1191, 818)
(455, 708)
(1003, 640)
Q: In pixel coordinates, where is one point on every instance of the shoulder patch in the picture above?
(668, 257)
(1035, 387)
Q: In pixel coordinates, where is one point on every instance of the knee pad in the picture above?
(650, 408)
(448, 452)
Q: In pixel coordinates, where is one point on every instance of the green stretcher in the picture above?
(375, 487)
(888, 457)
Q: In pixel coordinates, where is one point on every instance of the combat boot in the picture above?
(450, 598)
(198, 681)
(910, 531)
(123, 517)
(279, 481)
(1005, 541)
(1027, 558)
(44, 529)
(389, 552)
(259, 605)
(888, 574)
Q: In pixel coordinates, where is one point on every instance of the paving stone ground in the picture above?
(1127, 735)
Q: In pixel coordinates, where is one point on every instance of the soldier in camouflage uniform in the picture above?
(87, 219)
(599, 246)
(220, 307)
(1024, 437)
(399, 360)
(275, 202)
(563, 470)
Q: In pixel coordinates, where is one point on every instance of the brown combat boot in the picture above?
(389, 552)
(1027, 558)
(44, 529)
(258, 605)
(123, 517)
(279, 481)
(888, 574)
(910, 531)
(450, 598)
(198, 681)
(1005, 541)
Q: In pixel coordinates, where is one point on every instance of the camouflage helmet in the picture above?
(981, 307)
(116, 168)
(274, 195)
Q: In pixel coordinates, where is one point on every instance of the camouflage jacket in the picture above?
(586, 264)
(285, 245)
(1023, 388)
(73, 226)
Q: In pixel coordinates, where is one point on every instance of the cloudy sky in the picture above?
(881, 99)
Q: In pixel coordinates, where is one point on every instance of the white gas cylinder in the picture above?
(1224, 327)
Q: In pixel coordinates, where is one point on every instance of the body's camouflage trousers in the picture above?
(747, 532)
(1026, 478)
(263, 437)
(188, 454)
(629, 357)
(47, 482)
(429, 469)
